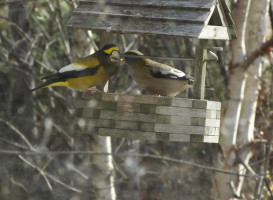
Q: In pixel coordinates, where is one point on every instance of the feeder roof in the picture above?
(202, 19)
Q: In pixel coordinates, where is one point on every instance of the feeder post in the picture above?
(200, 69)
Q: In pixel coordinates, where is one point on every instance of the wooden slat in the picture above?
(227, 12)
(197, 121)
(211, 139)
(179, 137)
(190, 112)
(200, 70)
(127, 25)
(193, 4)
(148, 117)
(165, 119)
(127, 133)
(143, 99)
(144, 12)
(189, 130)
(127, 116)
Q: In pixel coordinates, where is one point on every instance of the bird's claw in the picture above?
(91, 91)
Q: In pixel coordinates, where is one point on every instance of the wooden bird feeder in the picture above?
(144, 116)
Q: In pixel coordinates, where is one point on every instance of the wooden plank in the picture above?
(96, 104)
(162, 136)
(90, 112)
(130, 125)
(227, 12)
(204, 104)
(197, 121)
(147, 108)
(179, 137)
(193, 4)
(86, 122)
(127, 116)
(127, 133)
(165, 119)
(215, 32)
(211, 114)
(133, 26)
(190, 112)
(146, 127)
(173, 14)
(196, 138)
(128, 107)
(213, 105)
(211, 131)
(211, 139)
(143, 99)
(181, 102)
(190, 130)
(218, 114)
(201, 104)
(222, 14)
(210, 14)
(200, 70)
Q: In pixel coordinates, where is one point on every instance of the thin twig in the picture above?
(132, 43)
(49, 153)
(39, 170)
(13, 143)
(260, 51)
(22, 136)
(18, 184)
(45, 175)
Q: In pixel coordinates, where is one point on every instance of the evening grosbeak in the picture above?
(87, 72)
(154, 77)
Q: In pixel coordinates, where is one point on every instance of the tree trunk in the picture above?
(238, 120)
(255, 35)
(222, 182)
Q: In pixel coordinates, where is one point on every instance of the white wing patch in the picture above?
(170, 71)
(71, 67)
(175, 72)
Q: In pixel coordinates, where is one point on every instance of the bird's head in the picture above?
(112, 51)
(132, 56)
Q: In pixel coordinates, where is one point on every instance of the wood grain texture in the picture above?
(175, 18)
(148, 117)
(204, 4)
(200, 70)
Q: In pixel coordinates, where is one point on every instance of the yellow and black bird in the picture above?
(87, 72)
(156, 78)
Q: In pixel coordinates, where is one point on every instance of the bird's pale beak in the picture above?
(115, 56)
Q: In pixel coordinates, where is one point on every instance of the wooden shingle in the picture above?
(206, 19)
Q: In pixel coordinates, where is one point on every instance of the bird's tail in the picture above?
(51, 81)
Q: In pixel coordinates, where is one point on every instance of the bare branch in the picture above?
(254, 55)
(22, 136)
(45, 175)
(30, 153)
(13, 143)
(18, 184)
(39, 170)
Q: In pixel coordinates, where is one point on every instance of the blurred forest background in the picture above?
(42, 158)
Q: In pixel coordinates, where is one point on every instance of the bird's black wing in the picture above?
(159, 70)
(63, 76)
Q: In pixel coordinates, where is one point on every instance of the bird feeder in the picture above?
(150, 117)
